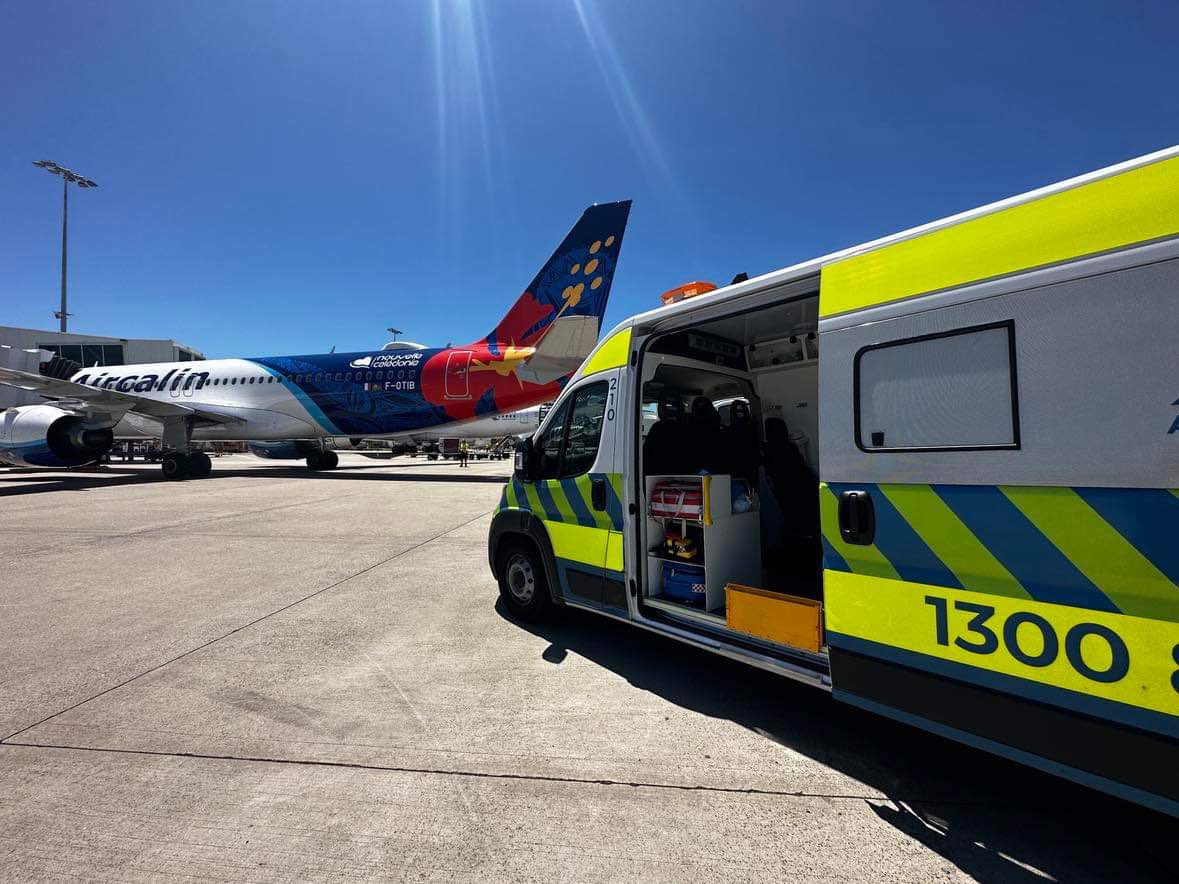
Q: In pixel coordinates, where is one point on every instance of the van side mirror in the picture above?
(522, 465)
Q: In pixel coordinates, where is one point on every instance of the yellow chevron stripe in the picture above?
(513, 501)
(579, 544)
(562, 502)
(1131, 207)
(952, 541)
(614, 551)
(861, 559)
(1099, 552)
(533, 499)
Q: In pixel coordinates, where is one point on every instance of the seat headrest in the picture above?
(704, 412)
(671, 408)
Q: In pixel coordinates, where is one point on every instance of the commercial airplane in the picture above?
(525, 360)
(497, 426)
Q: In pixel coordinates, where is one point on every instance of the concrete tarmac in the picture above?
(271, 675)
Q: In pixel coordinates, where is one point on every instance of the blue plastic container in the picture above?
(684, 583)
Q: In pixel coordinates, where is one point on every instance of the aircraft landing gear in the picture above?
(199, 464)
(178, 462)
(174, 465)
(318, 459)
(177, 465)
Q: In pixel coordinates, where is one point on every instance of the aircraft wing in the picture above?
(97, 399)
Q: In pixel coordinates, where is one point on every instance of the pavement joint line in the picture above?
(244, 626)
(501, 775)
(170, 526)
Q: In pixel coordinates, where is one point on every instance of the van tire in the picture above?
(522, 582)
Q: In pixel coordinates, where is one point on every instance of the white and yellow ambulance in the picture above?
(935, 474)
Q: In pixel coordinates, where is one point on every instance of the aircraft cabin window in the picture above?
(368, 375)
(319, 376)
(339, 376)
(348, 376)
(380, 375)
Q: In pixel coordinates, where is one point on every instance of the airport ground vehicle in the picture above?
(987, 409)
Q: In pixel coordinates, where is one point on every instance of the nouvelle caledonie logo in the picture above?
(363, 362)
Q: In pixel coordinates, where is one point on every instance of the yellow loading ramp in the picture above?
(784, 619)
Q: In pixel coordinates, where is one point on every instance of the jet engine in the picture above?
(46, 436)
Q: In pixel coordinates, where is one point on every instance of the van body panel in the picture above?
(1134, 206)
(1025, 593)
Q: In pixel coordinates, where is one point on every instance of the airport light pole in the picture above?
(68, 178)
(394, 331)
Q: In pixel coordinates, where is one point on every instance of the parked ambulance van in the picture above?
(936, 474)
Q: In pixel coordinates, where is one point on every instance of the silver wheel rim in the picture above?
(521, 578)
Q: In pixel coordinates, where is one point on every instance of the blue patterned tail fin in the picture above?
(575, 281)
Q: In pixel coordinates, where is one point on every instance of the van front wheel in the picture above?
(522, 582)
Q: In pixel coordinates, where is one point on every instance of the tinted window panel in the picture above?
(549, 445)
(945, 391)
(585, 429)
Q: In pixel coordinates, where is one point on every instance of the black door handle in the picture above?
(857, 518)
(598, 494)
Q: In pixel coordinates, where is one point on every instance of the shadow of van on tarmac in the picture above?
(992, 818)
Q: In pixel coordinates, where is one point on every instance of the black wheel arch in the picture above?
(511, 524)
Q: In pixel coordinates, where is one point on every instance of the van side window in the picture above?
(585, 429)
(548, 446)
(954, 390)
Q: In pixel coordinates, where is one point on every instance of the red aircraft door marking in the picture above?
(458, 382)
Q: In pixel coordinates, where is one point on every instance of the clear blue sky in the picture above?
(284, 176)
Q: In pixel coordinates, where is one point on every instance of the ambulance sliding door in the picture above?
(998, 512)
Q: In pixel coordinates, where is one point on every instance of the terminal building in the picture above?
(87, 350)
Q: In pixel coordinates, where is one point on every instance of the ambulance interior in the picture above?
(729, 469)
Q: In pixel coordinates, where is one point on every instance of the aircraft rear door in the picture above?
(458, 385)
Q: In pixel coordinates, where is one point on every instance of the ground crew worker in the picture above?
(464, 453)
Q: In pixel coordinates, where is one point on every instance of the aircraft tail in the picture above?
(574, 283)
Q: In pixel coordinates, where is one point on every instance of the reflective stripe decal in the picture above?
(1113, 657)
(613, 353)
(567, 500)
(910, 556)
(1134, 206)
(1040, 567)
(953, 542)
(1103, 549)
(577, 503)
(578, 544)
(1146, 517)
(860, 559)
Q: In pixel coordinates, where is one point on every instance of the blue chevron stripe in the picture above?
(1146, 517)
(1042, 569)
(901, 545)
(578, 504)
